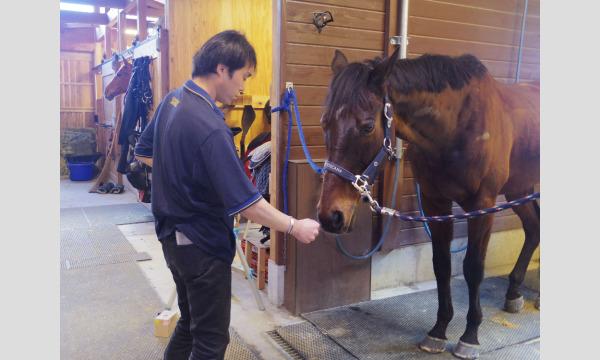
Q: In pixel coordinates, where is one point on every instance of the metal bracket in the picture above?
(397, 40)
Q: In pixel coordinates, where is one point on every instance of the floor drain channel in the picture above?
(285, 346)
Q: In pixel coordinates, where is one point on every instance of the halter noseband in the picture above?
(364, 182)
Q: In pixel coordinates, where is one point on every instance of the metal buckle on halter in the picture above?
(362, 185)
(387, 111)
(387, 145)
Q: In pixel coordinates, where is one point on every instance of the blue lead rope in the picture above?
(289, 100)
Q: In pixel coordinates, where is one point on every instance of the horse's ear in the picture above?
(382, 71)
(339, 61)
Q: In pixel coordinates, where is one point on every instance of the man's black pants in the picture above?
(203, 286)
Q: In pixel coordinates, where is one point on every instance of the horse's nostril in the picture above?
(337, 220)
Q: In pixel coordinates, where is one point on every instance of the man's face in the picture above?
(232, 87)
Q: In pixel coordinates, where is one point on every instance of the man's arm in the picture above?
(305, 230)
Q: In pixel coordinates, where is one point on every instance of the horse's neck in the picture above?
(433, 121)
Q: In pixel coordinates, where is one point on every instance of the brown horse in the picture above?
(119, 83)
(470, 139)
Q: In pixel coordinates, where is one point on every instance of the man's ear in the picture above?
(221, 69)
(339, 61)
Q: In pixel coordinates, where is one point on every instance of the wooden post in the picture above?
(142, 23)
(108, 42)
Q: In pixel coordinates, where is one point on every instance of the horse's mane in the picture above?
(433, 73)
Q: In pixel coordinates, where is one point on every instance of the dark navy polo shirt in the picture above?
(198, 182)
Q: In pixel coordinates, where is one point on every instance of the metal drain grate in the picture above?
(311, 344)
(284, 346)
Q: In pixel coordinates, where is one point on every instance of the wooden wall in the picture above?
(488, 29)
(192, 22)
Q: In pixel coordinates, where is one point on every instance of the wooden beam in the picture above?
(108, 43)
(83, 18)
(118, 4)
(142, 23)
(155, 4)
(121, 29)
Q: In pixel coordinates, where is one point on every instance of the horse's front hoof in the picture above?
(433, 345)
(515, 305)
(466, 351)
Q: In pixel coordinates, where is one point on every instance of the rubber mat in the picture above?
(93, 242)
(104, 260)
(391, 328)
(74, 218)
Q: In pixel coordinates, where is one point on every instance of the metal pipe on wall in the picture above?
(403, 21)
(521, 40)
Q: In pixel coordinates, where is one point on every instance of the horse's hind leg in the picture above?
(529, 214)
(441, 233)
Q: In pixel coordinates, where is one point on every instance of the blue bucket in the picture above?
(81, 171)
(82, 167)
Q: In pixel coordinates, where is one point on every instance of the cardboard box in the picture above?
(164, 323)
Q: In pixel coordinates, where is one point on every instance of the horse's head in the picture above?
(354, 133)
(118, 85)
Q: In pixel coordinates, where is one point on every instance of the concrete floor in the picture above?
(248, 321)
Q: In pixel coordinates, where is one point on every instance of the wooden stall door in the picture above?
(318, 276)
(76, 90)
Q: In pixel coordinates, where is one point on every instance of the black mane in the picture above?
(433, 73)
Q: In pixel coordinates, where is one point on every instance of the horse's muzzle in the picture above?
(332, 222)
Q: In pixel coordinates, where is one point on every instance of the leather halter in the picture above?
(363, 183)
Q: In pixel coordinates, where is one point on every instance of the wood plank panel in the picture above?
(312, 134)
(374, 5)
(310, 115)
(470, 32)
(311, 95)
(341, 37)
(309, 74)
(422, 45)
(470, 15)
(316, 152)
(298, 11)
(511, 6)
(310, 54)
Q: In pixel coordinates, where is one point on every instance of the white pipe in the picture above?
(521, 40)
(404, 29)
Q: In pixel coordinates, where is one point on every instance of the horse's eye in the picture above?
(367, 129)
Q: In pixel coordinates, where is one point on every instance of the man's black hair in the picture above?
(229, 48)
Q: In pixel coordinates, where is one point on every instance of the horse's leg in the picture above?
(479, 236)
(529, 214)
(441, 233)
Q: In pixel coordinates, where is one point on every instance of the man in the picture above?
(198, 185)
